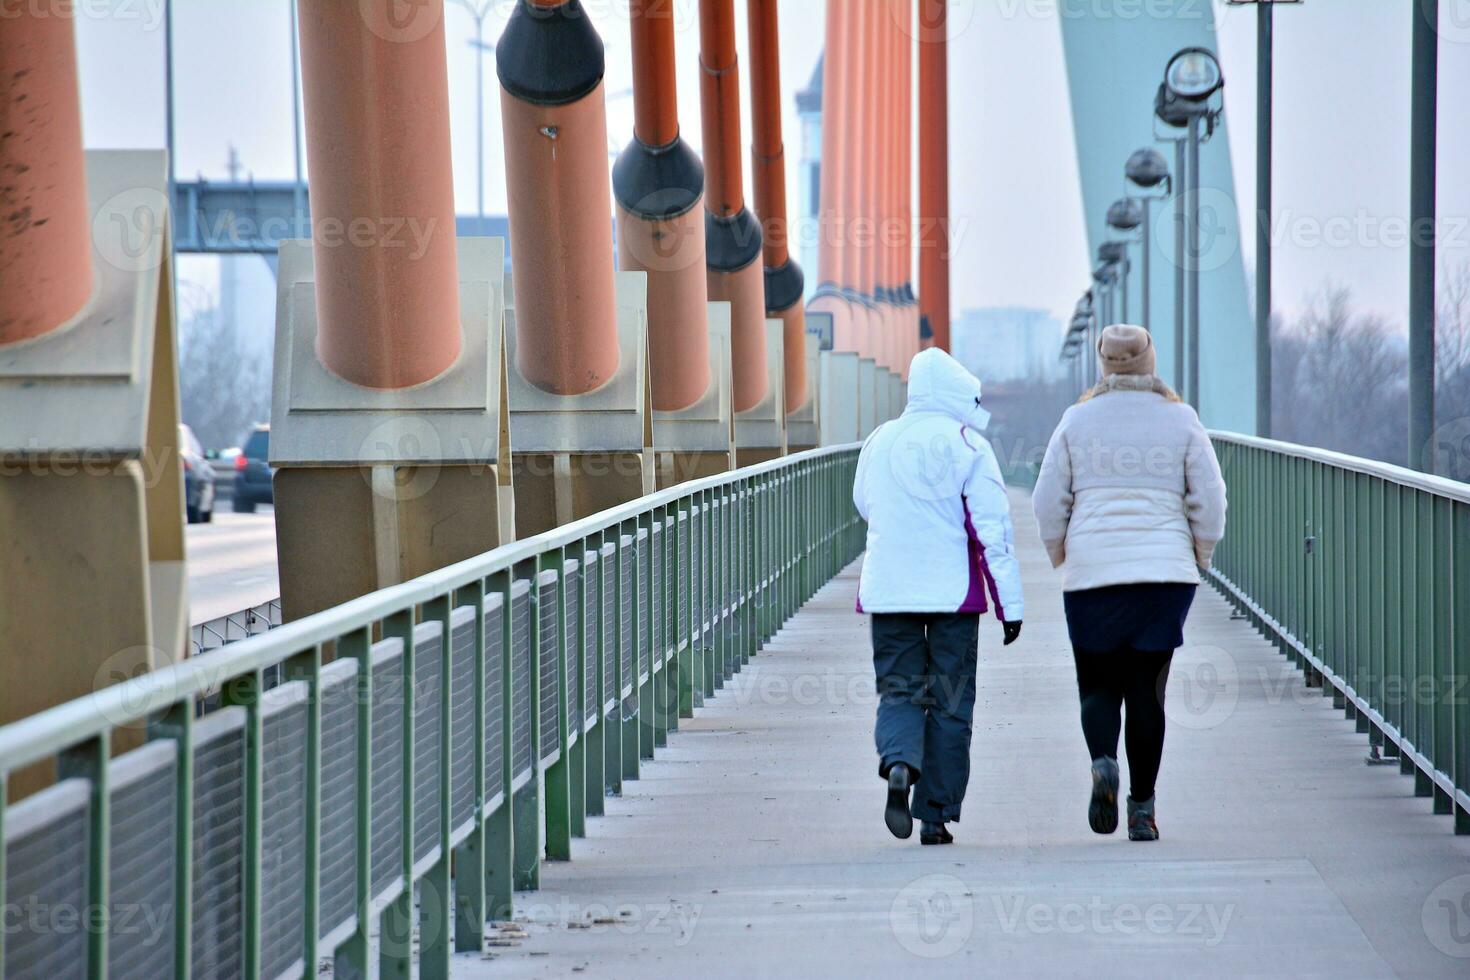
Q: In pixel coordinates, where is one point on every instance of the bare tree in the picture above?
(223, 388)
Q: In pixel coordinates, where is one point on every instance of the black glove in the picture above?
(1012, 630)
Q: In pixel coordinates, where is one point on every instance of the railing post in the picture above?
(470, 912)
(499, 826)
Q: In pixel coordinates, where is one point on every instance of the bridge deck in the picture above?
(754, 846)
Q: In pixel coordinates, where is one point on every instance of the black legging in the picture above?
(1108, 681)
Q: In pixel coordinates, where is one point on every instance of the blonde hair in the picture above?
(1129, 382)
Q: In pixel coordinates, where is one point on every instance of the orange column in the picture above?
(874, 150)
(836, 117)
(658, 182)
(934, 172)
(45, 234)
(784, 281)
(732, 235)
(909, 319)
(553, 112)
(893, 182)
(376, 92)
(858, 134)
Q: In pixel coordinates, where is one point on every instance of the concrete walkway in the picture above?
(755, 845)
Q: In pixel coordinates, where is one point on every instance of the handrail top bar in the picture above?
(1440, 485)
(50, 732)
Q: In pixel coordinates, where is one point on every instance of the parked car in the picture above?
(198, 479)
(253, 473)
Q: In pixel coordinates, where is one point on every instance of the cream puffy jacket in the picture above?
(1130, 491)
(939, 523)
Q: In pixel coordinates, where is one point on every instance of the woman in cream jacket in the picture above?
(1131, 504)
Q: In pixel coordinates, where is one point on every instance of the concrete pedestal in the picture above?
(699, 441)
(804, 422)
(576, 455)
(91, 488)
(760, 432)
(375, 487)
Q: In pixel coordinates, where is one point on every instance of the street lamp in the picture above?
(1264, 83)
(1148, 169)
(1124, 215)
(1191, 79)
(1115, 253)
(479, 10)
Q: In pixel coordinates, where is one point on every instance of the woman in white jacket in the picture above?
(939, 550)
(1130, 501)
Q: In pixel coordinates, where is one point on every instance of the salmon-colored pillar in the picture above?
(934, 172)
(45, 238)
(892, 282)
(856, 227)
(658, 182)
(732, 235)
(784, 280)
(909, 310)
(550, 63)
(874, 150)
(382, 193)
(836, 87)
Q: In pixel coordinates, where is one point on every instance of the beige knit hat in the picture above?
(1125, 349)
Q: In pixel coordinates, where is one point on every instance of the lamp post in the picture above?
(1147, 169)
(1125, 215)
(479, 11)
(1264, 82)
(1191, 79)
(1422, 214)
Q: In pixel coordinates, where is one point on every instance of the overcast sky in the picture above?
(1342, 139)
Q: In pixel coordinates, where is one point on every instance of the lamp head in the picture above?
(1147, 167)
(1194, 75)
(1125, 214)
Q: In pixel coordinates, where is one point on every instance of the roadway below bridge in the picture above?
(232, 562)
(754, 845)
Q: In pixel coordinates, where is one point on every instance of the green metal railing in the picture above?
(1360, 572)
(433, 727)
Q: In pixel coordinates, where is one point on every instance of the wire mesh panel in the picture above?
(571, 643)
(428, 722)
(698, 619)
(462, 719)
(141, 862)
(652, 646)
(219, 841)
(494, 693)
(550, 653)
(628, 594)
(283, 826)
(682, 585)
(388, 784)
(338, 868)
(46, 845)
(523, 682)
(591, 634)
(609, 587)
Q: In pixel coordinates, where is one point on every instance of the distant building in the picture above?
(809, 169)
(1007, 343)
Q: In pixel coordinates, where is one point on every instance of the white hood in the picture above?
(939, 383)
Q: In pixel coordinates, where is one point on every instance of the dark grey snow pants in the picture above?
(925, 663)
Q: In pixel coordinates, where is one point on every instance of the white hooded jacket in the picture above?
(939, 523)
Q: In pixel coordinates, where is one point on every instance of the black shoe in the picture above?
(1141, 822)
(934, 833)
(1102, 811)
(896, 815)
